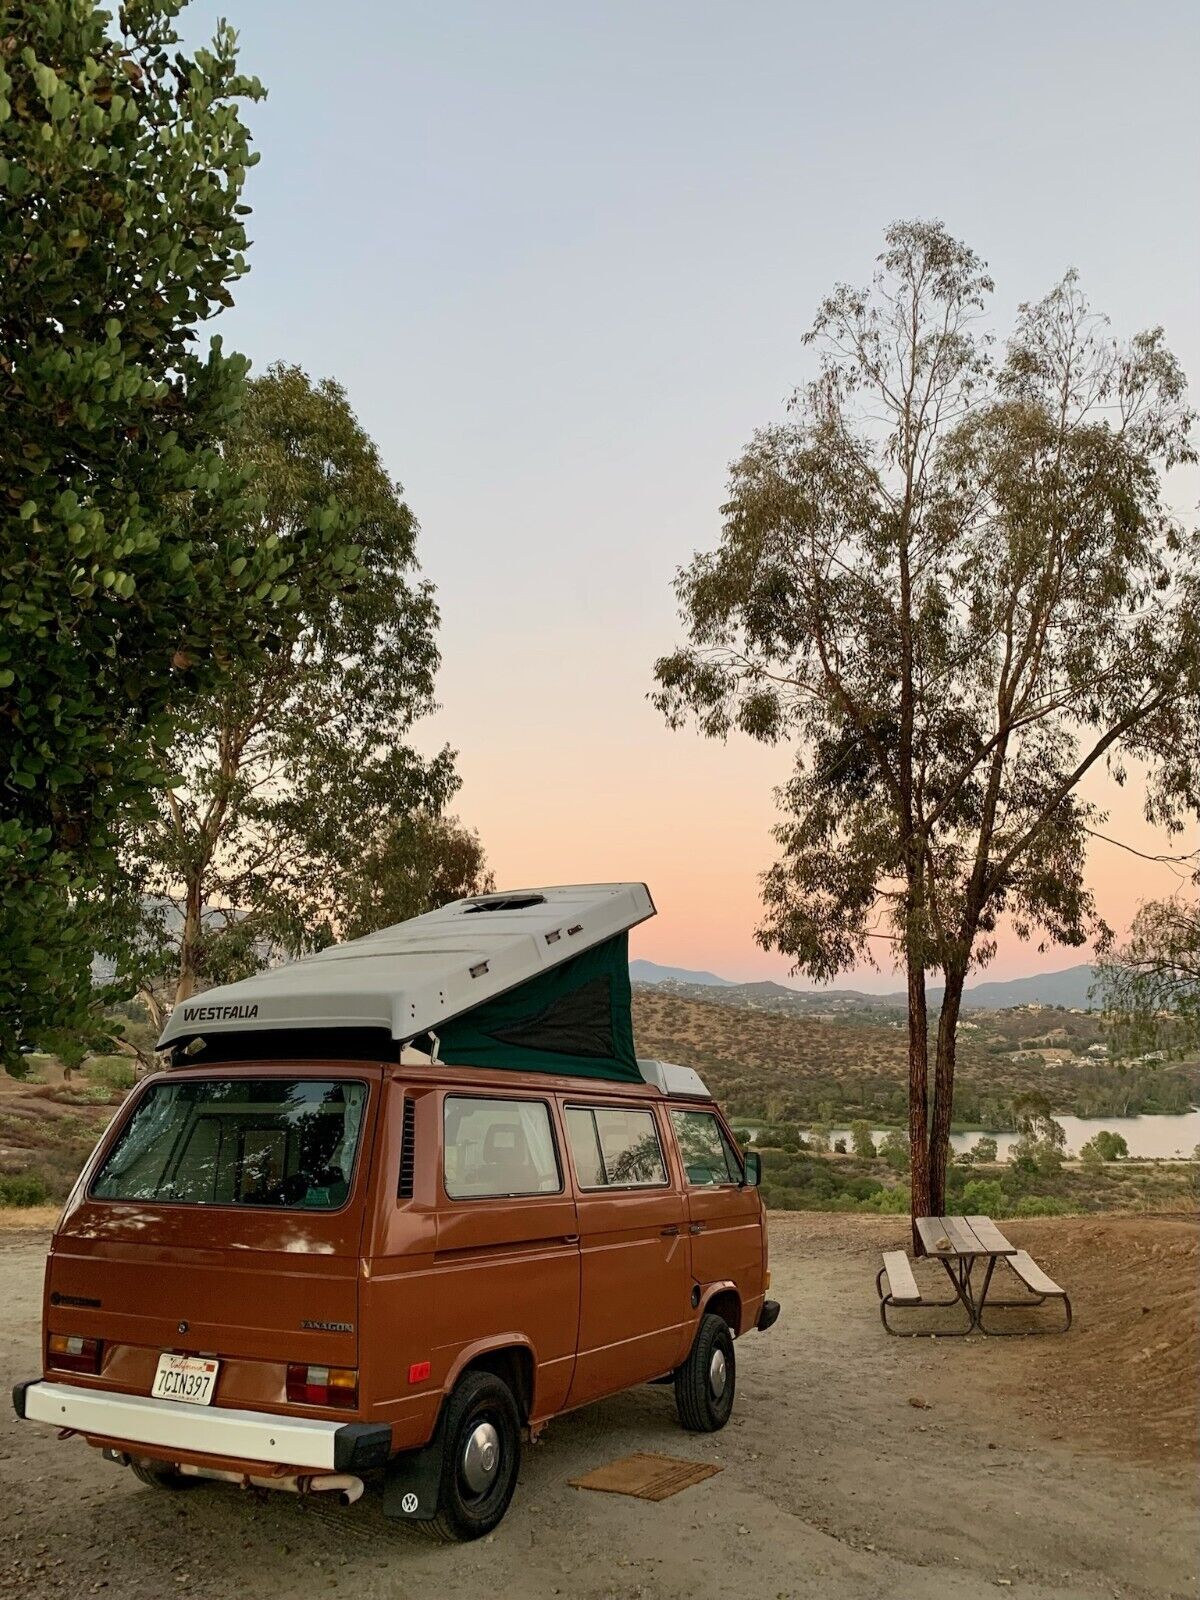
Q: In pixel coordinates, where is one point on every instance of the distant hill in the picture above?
(651, 972)
(1068, 987)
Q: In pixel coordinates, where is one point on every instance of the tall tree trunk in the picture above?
(918, 1094)
(189, 942)
(943, 1090)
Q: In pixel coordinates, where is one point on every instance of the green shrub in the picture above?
(23, 1189)
(111, 1072)
(894, 1148)
(1040, 1205)
(983, 1197)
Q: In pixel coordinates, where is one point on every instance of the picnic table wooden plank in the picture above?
(1031, 1275)
(960, 1234)
(990, 1236)
(931, 1230)
(902, 1285)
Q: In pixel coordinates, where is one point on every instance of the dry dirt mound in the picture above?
(1129, 1371)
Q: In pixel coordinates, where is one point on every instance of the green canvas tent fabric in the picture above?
(574, 1019)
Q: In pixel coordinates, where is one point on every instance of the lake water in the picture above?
(1152, 1135)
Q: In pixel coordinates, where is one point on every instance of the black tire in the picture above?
(704, 1385)
(161, 1475)
(465, 1510)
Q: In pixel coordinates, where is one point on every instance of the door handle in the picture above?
(696, 1227)
(671, 1231)
(570, 1238)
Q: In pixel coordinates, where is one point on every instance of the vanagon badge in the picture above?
(327, 1327)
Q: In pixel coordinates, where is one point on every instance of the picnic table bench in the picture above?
(960, 1244)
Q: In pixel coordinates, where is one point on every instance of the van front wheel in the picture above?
(481, 1460)
(705, 1383)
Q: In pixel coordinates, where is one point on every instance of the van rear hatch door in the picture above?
(223, 1217)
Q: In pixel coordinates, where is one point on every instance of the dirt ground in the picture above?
(1042, 1467)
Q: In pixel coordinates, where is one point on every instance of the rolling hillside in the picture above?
(780, 1068)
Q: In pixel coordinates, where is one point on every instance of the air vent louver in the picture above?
(408, 1150)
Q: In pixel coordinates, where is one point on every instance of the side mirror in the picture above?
(753, 1168)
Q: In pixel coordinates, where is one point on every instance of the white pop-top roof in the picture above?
(670, 1078)
(420, 973)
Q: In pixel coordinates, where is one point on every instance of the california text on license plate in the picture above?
(191, 1379)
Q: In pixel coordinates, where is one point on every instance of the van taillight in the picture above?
(72, 1354)
(322, 1386)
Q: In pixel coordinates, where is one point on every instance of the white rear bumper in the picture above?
(207, 1430)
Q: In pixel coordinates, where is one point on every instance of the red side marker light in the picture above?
(418, 1372)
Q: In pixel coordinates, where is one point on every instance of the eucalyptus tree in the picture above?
(1150, 984)
(300, 808)
(951, 581)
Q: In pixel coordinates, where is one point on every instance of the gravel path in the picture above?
(834, 1484)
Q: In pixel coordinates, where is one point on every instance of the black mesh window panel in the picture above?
(576, 1024)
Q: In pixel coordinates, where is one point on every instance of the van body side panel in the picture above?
(506, 1272)
(399, 1281)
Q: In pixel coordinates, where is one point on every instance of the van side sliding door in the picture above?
(507, 1254)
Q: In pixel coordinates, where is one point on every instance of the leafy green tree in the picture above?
(864, 1144)
(1104, 1146)
(300, 811)
(952, 582)
(984, 1149)
(125, 582)
(1150, 985)
(1090, 1156)
(1041, 1141)
(895, 1149)
(818, 1138)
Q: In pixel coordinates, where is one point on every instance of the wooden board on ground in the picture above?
(646, 1475)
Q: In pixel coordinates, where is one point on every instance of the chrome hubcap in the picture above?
(481, 1457)
(718, 1373)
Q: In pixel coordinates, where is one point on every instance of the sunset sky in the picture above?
(562, 256)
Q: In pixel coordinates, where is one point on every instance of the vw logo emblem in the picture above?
(409, 1504)
(183, 1327)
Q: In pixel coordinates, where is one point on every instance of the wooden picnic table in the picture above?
(958, 1243)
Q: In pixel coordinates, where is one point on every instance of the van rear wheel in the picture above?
(481, 1460)
(160, 1475)
(706, 1382)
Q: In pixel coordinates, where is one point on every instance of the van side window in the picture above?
(615, 1148)
(498, 1147)
(708, 1156)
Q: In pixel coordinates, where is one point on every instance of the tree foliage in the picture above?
(864, 1144)
(300, 811)
(126, 584)
(1104, 1146)
(950, 579)
(1150, 985)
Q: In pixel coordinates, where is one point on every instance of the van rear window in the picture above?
(239, 1141)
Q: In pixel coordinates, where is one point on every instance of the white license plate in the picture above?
(191, 1379)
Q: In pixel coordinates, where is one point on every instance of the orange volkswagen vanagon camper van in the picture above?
(395, 1205)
